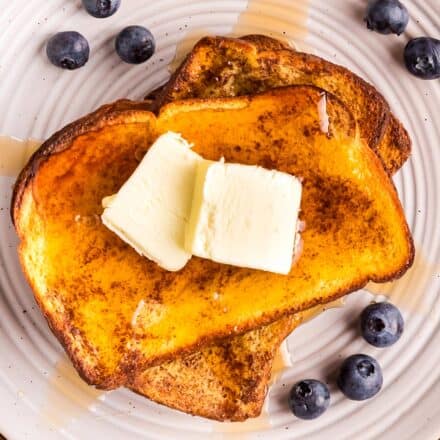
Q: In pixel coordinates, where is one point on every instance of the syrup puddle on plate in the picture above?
(257, 15)
(184, 47)
(14, 154)
(407, 292)
(249, 426)
(314, 312)
(293, 32)
(283, 358)
(68, 396)
(281, 362)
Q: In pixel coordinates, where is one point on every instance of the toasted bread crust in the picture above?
(114, 113)
(263, 42)
(395, 147)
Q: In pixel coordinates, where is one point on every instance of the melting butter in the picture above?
(324, 120)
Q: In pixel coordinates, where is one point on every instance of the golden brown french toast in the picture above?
(89, 283)
(221, 67)
(254, 352)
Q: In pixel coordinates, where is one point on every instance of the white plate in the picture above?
(41, 396)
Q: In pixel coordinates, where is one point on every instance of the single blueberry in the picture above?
(135, 44)
(68, 50)
(381, 324)
(101, 8)
(422, 57)
(360, 377)
(387, 16)
(309, 399)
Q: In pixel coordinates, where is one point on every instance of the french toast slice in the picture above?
(260, 42)
(255, 351)
(89, 283)
(222, 67)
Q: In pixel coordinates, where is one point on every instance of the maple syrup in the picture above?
(14, 154)
(293, 32)
(68, 396)
(258, 15)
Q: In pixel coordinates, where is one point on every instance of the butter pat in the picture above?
(244, 216)
(151, 210)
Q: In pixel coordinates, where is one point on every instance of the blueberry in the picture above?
(360, 377)
(309, 399)
(101, 8)
(387, 16)
(422, 57)
(135, 44)
(381, 324)
(68, 50)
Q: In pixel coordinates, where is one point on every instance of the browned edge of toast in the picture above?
(56, 143)
(388, 138)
